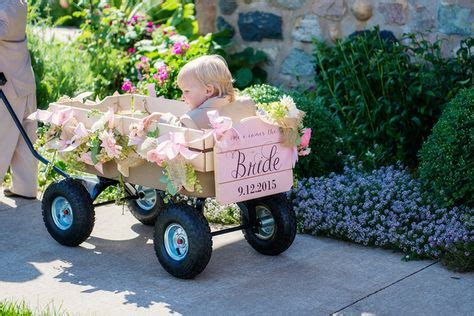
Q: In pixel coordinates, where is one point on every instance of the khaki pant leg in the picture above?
(24, 166)
(9, 133)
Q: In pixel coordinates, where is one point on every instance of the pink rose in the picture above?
(305, 138)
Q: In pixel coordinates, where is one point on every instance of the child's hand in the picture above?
(155, 116)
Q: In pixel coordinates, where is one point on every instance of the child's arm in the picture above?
(166, 118)
(155, 116)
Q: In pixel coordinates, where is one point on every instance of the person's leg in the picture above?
(9, 133)
(24, 166)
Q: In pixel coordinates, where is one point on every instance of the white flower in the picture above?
(288, 102)
(159, 64)
(176, 38)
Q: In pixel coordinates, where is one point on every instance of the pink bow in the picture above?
(80, 136)
(58, 118)
(221, 128)
(169, 147)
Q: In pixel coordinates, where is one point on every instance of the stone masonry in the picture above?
(285, 29)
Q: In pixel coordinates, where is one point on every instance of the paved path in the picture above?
(116, 273)
(62, 34)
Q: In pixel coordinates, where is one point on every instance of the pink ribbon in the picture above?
(169, 147)
(58, 118)
(221, 128)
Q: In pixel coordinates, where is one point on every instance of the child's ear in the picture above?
(209, 90)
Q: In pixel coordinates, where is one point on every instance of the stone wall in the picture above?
(284, 28)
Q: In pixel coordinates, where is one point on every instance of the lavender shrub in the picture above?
(385, 208)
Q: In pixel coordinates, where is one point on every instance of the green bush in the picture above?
(388, 93)
(326, 139)
(52, 9)
(127, 44)
(447, 157)
(60, 68)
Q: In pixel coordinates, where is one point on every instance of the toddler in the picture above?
(206, 84)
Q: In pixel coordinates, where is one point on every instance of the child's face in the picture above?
(194, 92)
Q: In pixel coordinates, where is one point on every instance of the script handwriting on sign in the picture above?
(254, 164)
(258, 164)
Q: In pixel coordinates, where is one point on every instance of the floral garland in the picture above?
(62, 133)
(286, 115)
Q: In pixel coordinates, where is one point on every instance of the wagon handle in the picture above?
(3, 81)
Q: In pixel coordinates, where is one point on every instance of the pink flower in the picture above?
(179, 48)
(305, 138)
(137, 133)
(60, 118)
(108, 143)
(149, 23)
(162, 74)
(144, 59)
(156, 157)
(135, 19)
(127, 85)
(131, 50)
(304, 152)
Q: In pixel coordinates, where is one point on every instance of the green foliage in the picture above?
(59, 69)
(159, 60)
(59, 15)
(326, 140)
(460, 257)
(447, 157)
(388, 95)
(117, 37)
(8, 308)
(246, 67)
(221, 214)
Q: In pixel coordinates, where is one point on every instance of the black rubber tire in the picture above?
(83, 212)
(199, 240)
(285, 225)
(147, 217)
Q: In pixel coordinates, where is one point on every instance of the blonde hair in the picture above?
(210, 70)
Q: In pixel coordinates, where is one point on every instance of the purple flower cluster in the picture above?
(385, 208)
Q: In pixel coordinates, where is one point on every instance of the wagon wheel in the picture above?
(68, 212)
(274, 226)
(182, 241)
(148, 206)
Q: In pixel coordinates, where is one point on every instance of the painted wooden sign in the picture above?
(253, 163)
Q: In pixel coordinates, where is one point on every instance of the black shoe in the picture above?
(9, 193)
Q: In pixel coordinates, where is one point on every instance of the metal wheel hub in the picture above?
(61, 212)
(266, 223)
(149, 197)
(176, 242)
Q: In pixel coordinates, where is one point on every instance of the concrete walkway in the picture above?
(116, 273)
